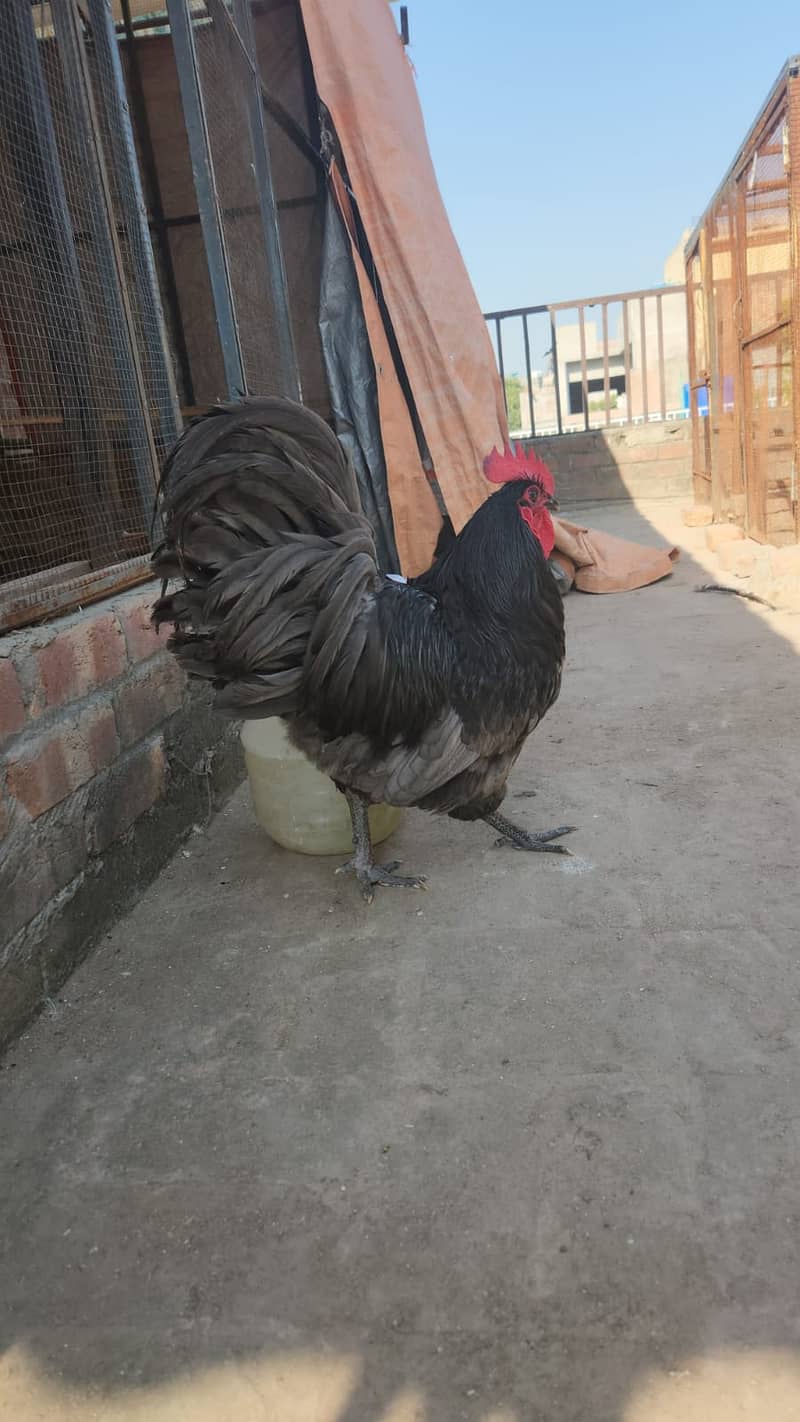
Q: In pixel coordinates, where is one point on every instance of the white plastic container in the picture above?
(298, 806)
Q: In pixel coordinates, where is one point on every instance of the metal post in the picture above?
(206, 190)
(793, 120)
(78, 96)
(662, 388)
(556, 377)
(584, 375)
(500, 363)
(744, 448)
(718, 500)
(47, 218)
(606, 387)
(626, 352)
(643, 336)
(159, 220)
(262, 168)
(134, 211)
(528, 370)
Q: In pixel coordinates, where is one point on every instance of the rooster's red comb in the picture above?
(502, 468)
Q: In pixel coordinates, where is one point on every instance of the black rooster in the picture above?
(420, 694)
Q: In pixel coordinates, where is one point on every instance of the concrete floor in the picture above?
(520, 1149)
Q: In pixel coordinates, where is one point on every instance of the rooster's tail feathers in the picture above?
(264, 530)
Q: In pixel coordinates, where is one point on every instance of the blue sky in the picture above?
(574, 142)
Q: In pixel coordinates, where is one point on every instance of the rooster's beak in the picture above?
(552, 505)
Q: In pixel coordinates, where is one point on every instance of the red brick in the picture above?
(50, 767)
(85, 656)
(40, 859)
(141, 636)
(41, 778)
(147, 698)
(102, 741)
(12, 707)
(133, 787)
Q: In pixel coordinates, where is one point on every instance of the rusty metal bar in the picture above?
(26, 601)
(610, 296)
(528, 372)
(626, 355)
(158, 221)
(126, 167)
(180, 23)
(709, 344)
(766, 331)
(662, 377)
(690, 334)
(584, 373)
(643, 339)
(606, 386)
(515, 311)
(556, 374)
(766, 115)
(500, 363)
(67, 26)
(793, 119)
(580, 301)
(242, 34)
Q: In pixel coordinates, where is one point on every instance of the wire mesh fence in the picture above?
(228, 94)
(744, 309)
(85, 406)
(141, 265)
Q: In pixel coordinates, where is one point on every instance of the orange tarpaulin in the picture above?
(415, 513)
(364, 77)
(602, 563)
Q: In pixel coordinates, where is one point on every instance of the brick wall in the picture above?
(628, 461)
(106, 760)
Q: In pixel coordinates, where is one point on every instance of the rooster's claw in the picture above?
(370, 875)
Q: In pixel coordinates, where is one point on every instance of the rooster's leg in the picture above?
(533, 840)
(362, 863)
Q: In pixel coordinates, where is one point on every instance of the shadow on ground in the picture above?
(521, 1149)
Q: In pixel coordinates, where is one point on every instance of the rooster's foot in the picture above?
(370, 875)
(362, 864)
(534, 841)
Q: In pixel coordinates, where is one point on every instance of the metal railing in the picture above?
(626, 362)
